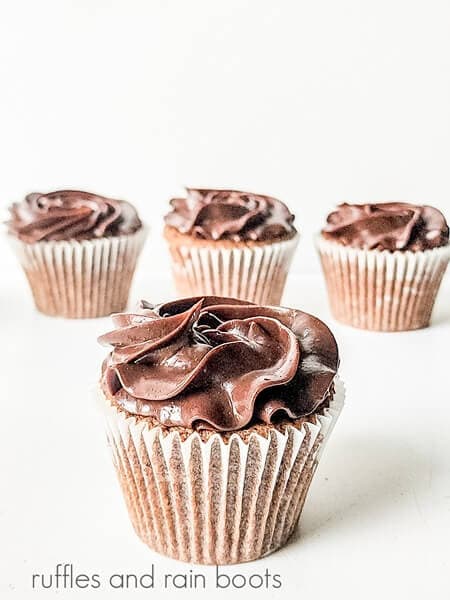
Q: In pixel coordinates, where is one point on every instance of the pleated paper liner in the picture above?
(251, 271)
(382, 290)
(220, 501)
(81, 279)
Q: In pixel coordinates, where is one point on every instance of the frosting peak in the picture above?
(387, 226)
(70, 214)
(218, 363)
(230, 215)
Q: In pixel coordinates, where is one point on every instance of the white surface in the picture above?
(377, 519)
(316, 102)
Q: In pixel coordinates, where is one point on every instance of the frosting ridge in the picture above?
(387, 226)
(71, 214)
(230, 215)
(218, 363)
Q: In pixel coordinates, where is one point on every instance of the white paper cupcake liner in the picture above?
(216, 502)
(382, 290)
(81, 279)
(256, 273)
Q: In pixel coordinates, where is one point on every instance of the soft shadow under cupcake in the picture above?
(370, 476)
(441, 311)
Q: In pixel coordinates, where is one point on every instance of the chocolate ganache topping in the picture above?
(387, 226)
(230, 215)
(71, 215)
(218, 363)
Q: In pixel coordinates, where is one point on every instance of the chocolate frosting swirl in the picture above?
(230, 215)
(71, 215)
(218, 363)
(387, 226)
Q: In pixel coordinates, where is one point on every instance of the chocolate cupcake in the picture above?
(78, 251)
(217, 411)
(230, 243)
(384, 263)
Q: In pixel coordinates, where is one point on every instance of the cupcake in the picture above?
(217, 411)
(78, 251)
(383, 264)
(229, 243)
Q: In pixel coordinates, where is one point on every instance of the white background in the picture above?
(313, 102)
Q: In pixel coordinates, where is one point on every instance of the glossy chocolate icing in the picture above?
(71, 215)
(218, 363)
(387, 226)
(230, 215)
